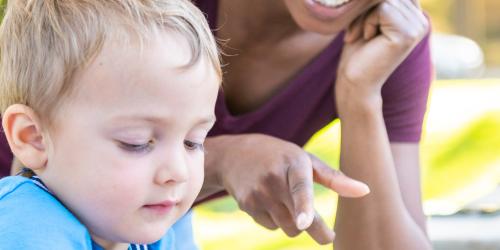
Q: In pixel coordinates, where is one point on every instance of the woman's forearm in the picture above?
(380, 220)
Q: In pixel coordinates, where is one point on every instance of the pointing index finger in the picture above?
(336, 180)
(300, 183)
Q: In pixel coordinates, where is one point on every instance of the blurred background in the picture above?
(460, 148)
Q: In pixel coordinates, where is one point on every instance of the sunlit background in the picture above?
(460, 149)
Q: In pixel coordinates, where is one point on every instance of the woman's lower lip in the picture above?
(327, 13)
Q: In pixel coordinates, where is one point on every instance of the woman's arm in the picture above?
(391, 216)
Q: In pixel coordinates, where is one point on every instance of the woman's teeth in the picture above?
(332, 3)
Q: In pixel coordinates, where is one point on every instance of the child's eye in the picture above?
(136, 148)
(190, 145)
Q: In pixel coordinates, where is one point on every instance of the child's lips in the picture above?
(161, 207)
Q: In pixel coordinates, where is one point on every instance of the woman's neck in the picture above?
(256, 20)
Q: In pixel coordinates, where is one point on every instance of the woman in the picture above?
(291, 70)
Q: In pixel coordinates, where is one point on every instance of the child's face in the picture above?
(125, 152)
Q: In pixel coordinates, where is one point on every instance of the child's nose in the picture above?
(172, 167)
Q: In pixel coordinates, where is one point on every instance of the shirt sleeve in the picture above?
(32, 219)
(405, 95)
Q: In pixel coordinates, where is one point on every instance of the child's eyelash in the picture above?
(190, 145)
(136, 148)
(146, 147)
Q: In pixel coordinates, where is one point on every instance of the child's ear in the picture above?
(24, 134)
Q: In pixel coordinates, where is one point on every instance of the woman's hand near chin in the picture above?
(375, 44)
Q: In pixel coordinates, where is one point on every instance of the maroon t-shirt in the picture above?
(5, 156)
(307, 103)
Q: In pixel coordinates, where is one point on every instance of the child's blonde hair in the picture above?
(43, 42)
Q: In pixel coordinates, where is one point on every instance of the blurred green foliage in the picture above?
(463, 158)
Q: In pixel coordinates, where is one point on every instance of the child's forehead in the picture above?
(131, 58)
(128, 75)
(164, 51)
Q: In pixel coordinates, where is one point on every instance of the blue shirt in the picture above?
(31, 218)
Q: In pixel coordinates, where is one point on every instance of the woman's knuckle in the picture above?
(268, 226)
(409, 36)
(276, 209)
(291, 232)
(298, 187)
(247, 204)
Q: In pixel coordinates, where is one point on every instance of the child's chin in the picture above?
(150, 236)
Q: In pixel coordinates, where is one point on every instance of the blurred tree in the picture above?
(439, 12)
(477, 20)
(2, 7)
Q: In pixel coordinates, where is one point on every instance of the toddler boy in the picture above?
(107, 105)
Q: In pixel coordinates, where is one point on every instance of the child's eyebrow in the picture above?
(210, 119)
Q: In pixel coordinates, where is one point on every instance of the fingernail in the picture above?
(302, 221)
(360, 185)
(365, 188)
